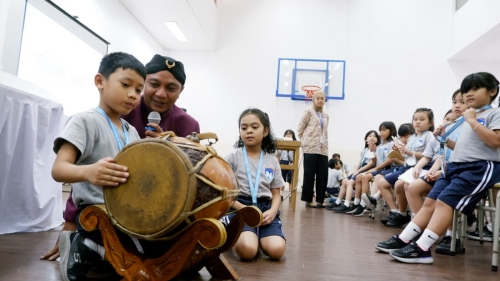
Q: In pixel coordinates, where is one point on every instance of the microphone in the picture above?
(153, 117)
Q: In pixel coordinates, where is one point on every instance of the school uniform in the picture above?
(364, 161)
(472, 169)
(270, 178)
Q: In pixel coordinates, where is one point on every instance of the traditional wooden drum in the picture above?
(173, 182)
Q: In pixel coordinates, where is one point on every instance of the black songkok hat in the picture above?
(159, 63)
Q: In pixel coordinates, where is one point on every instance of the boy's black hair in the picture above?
(389, 126)
(332, 162)
(406, 129)
(376, 135)
(455, 94)
(336, 155)
(111, 62)
(430, 116)
(268, 141)
(291, 132)
(448, 112)
(480, 80)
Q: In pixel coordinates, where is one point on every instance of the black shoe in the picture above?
(412, 253)
(341, 209)
(384, 220)
(487, 235)
(359, 211)
(352, 209)
(398, 220)
(371, 202)
(76, 258)
(444, 247)
(394, 243)
(332, 206)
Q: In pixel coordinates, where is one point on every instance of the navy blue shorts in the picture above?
(464, 184)
(350, 177)
(272, 229)
(393, 175)
(431, 183)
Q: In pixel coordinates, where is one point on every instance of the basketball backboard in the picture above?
(296, 76)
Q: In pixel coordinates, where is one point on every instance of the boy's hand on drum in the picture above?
(106, 173)
(154, 134)
(268, 217)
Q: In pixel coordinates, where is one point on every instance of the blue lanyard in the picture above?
(453, 137)
(321, 121)
(254, 188)
(442, 140)
(117, 137)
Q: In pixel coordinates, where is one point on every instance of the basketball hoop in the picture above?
(310, 90)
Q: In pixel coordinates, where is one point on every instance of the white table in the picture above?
(30, 200)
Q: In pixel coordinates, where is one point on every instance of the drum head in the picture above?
(158, 191)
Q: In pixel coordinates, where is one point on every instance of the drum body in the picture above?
(173, 182)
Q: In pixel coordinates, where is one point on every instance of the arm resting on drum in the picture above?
(102, 173)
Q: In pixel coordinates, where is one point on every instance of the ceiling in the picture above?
(484, 49)
(196, 18)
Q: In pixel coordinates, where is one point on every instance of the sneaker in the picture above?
(384, 220)
(412, 253)
(359, 211)
(444, 247)
(341, 209)
(394, 243)
(76, 258)
(333, 205)
(352, 209)
(398, 220)
(371, 202)
(487, 235)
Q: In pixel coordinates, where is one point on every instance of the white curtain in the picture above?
(30, 200)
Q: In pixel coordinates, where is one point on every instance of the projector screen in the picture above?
(61, 56)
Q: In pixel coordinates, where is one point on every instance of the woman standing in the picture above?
(313, 132)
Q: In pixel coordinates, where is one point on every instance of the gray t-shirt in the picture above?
(270, 176)
(418, 144)
(470, 147)
(334, 178)
(285, 155)
(382, 151)
(91, 134)
(432, 149)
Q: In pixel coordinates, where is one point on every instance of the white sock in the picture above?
(376, 195)
(402, 213)
(94, 247)
(356, 201)
(411, 231)
(347, 203)
(363, 204)
(448, 232)
(427, 239)
(395, 210)
(338, 201)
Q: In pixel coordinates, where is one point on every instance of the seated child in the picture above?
(334, 177)
(85, 150)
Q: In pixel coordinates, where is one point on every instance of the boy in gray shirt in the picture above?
(85, 150)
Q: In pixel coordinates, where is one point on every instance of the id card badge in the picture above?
(321, 140)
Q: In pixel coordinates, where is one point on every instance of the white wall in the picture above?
(395, 54)
(113, 22)
(473, 20)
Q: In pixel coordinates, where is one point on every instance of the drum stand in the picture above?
(199, 245)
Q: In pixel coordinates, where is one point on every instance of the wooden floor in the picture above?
(321, 245)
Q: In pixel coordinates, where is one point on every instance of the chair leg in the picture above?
(454, 231)
(480, 222)
(495, 225)
(463, 233)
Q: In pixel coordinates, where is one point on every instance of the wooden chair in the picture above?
(199, 245)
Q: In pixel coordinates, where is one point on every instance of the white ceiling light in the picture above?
(174, 28)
